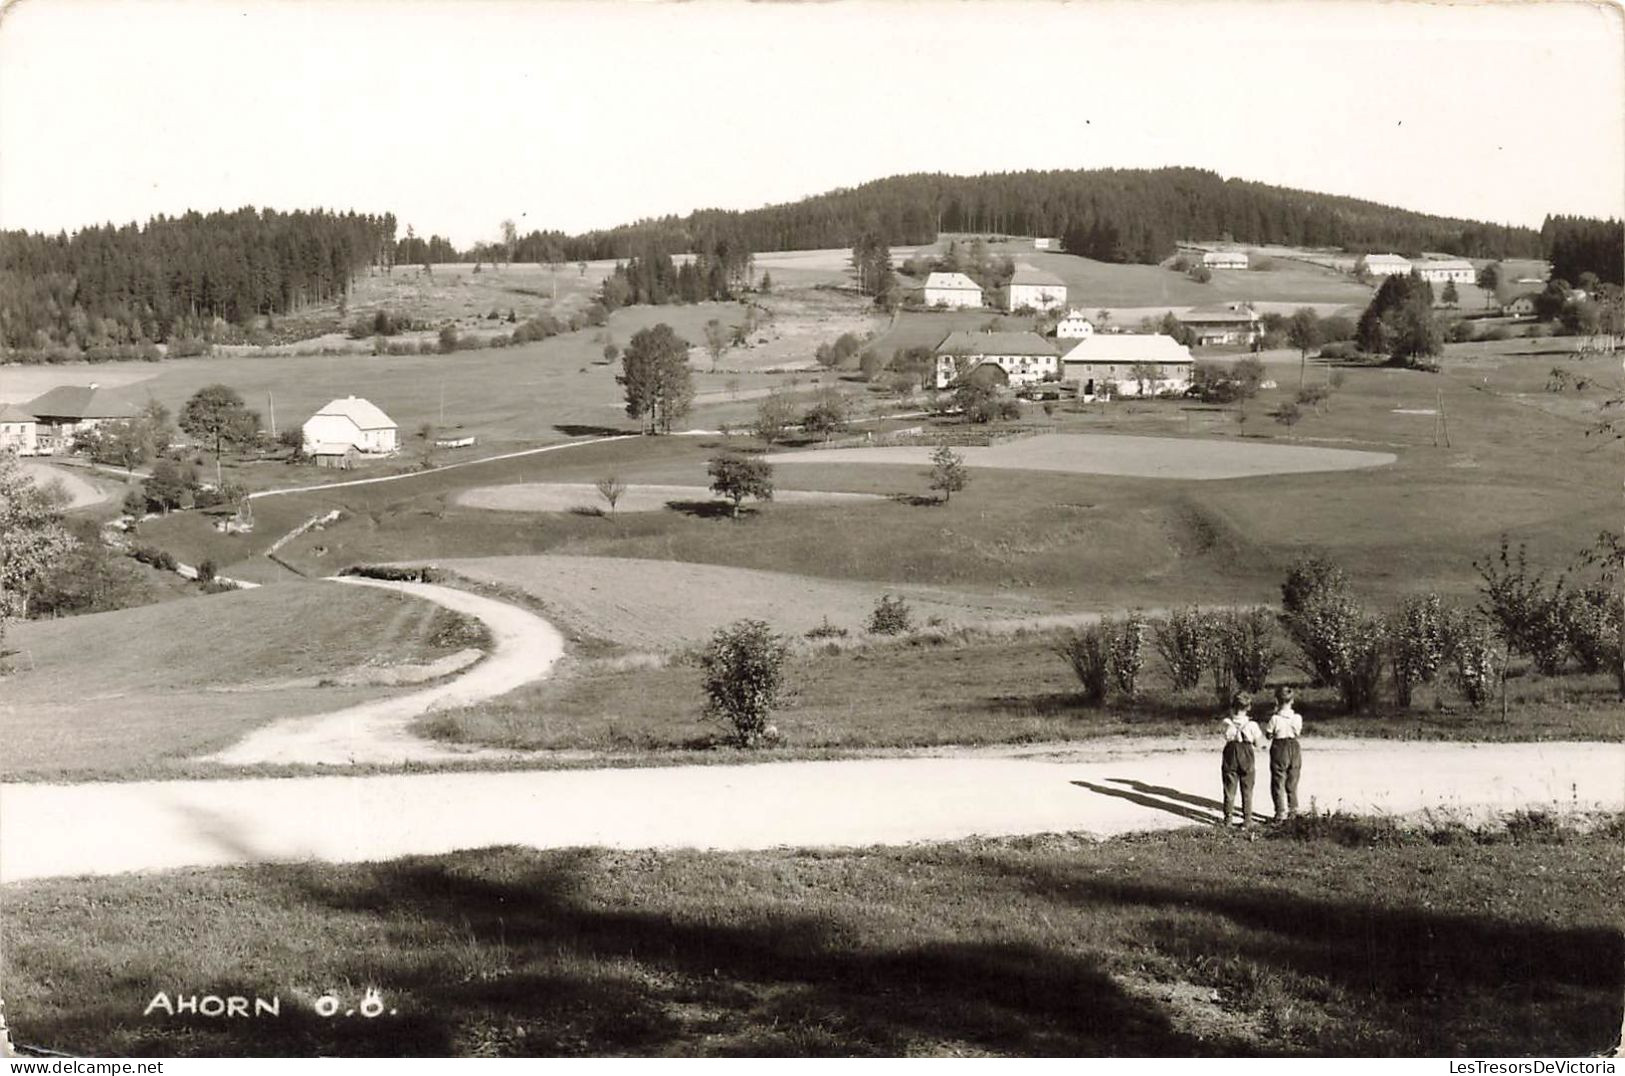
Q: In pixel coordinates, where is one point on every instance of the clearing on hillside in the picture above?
(584, 497)
(1122, 455)
(654, 604)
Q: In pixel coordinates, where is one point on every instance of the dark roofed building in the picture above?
(1025, 357)
(68, 410)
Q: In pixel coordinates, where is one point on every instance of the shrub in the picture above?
(1593, 618)
(744, 676)
(1126, 651)
(206, 571)
(1248, 639)
(1475, 664)
(1181, 638)
(1417, 643)
(1358, 666)
(891, 616)
(1341, 349)
(1496, 332)
(1086, 650)
(1528, 614)
(448, 339)
(826, 630)
(162, 559)
(1311, 584)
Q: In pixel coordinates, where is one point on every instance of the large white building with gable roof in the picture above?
(351, 422)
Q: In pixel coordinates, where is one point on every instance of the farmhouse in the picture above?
(1046, 243)
(1074, 325)
(1222, 323)
(18, 430)
(1225, 259)
(952, 289)
(68, 410)
(1453, 269)
(1034, 288)
(1009, 358)
(1119, 360)
(1383, 265)
(351, 422)
(1522, 306)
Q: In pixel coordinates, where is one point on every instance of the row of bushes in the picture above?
(1340, 645)
(396, 573)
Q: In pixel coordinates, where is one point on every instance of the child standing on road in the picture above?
(1242, 737)
(1286, 760)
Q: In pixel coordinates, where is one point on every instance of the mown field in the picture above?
(162, 682)
(1334, 936)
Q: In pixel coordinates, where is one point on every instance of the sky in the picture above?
(577, 115)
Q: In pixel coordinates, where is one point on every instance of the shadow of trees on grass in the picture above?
(513, 952)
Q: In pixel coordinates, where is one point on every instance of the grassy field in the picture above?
(1089, 541)
(661, 605)
(1334, 936)
(999, 685)
(162, 682)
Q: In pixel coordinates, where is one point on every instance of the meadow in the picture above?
(1334, 935)
(161, 682)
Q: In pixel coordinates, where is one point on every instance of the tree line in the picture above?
(172, 277)
(1577, 246)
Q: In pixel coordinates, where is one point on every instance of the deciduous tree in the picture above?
(737, 477)
(216, 415)
(948, 472)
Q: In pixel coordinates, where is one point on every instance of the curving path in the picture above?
(1106, 789)
(525, 647)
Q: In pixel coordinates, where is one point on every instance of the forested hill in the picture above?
(112, 285)
(1119, 215)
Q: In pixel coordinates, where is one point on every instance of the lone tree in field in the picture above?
(612, 489)
(744, 676)
(32, 537)
(774, 417)
(828, 415)
(948, 472)
(1450, 296)
(217, 416)
(737, 477)
(716, 340)
(1303, 333)
(655, 376)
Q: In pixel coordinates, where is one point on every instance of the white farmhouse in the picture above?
(1074, 325)
(1523, 306)
(1121, 358)
(18, 430)
(1446, 269)
(1225, 259)
(1007, 358)
(350, 423)
(1222, 323)
(1383, 265)
(1034, 288)
(952, 289)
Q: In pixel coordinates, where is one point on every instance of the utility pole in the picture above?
(271, 402)
(1444, 423)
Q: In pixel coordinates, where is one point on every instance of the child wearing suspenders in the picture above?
(1242, 738)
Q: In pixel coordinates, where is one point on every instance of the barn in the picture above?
(351, 421)
(1116, 363)
(1030, 287)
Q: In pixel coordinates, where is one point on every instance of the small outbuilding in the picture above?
(1225, 259)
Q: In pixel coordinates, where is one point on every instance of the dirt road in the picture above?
(81, 491)
(1112, 788)
(524, 648)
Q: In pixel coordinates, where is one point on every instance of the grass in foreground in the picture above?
(1337, 936)
(1009, 690)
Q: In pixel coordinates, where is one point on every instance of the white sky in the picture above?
(588, 114)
